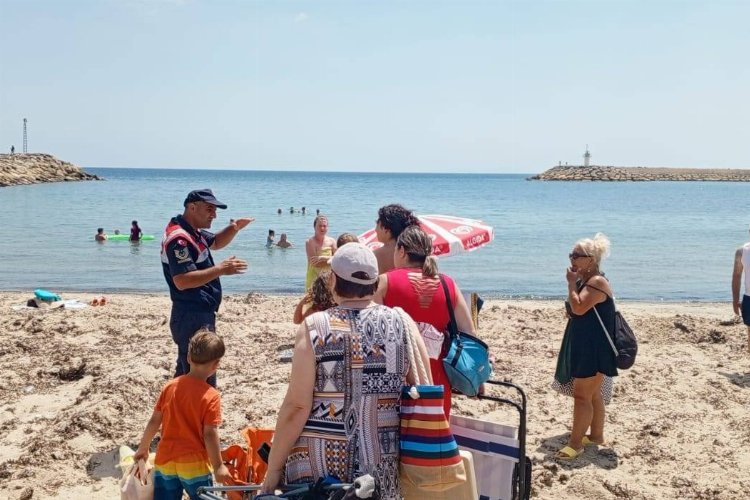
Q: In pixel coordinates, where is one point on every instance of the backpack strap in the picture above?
(606, 333)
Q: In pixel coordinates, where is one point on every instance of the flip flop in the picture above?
(568, 453)
(588, 442)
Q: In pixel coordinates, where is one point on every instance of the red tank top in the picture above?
(423, 298)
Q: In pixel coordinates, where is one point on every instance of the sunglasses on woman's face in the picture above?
(575, 255)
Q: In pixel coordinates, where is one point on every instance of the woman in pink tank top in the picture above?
(414, 285)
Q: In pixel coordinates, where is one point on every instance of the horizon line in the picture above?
(313, 170)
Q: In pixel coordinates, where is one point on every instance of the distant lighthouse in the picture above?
(586, 157)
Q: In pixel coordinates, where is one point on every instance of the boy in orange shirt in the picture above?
(189, 413)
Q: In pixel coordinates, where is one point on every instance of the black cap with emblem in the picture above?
(205, 195)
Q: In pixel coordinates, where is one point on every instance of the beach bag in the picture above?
(236, 460)
(623, 342)
(138, 483)
(467, 359)
(429, 456)
(255, 437)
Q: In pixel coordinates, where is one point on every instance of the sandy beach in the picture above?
(80, 383)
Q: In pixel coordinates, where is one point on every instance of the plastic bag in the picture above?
(138, 483)
(126, 458)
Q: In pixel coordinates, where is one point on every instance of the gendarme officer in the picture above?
(189, 269)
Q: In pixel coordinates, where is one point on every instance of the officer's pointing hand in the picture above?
(242, 222)
(233, 265)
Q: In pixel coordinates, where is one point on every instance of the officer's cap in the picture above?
(205, 195)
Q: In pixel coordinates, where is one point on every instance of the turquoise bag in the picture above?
(46, 295)
(467, 361)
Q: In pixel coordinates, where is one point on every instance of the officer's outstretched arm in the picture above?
(226, 235)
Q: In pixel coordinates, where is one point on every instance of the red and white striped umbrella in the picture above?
(450, 235)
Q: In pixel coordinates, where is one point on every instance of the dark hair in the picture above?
(418, 247)
(205, 346)
(319, 217)
(345, 238)
(350, 290)
(271, 232)
(395, 218)
(99, 229)
(135, 223)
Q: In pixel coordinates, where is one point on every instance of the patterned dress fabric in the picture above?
(353, 427)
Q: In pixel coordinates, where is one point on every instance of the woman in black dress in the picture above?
(590, 356)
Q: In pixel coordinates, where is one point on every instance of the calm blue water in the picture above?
(670, 240)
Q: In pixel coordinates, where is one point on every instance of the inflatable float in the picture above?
(126, 237)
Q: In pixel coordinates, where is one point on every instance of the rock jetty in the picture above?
(36, 168)
(607, 173)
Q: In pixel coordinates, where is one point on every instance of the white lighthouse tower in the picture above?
(586, 157)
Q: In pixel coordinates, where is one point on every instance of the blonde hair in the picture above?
(596, 247)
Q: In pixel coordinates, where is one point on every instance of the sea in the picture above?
(671, 241)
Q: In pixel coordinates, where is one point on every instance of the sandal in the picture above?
(586, 441)
(568, 453)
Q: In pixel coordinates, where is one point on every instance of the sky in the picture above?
(420, 86)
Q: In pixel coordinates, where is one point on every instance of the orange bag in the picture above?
(255, 437)
(235, 458)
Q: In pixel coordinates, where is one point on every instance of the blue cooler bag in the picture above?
(467, 361)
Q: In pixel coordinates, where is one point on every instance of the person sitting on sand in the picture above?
(392, 220)
(585, 354)
(317, 298)
(345, 238)
(284, 242)
(742, 307)
(100, 234)
(319, 248)
(188, 412)
(135, 231)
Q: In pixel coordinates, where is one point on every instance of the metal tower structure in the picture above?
(25, 138)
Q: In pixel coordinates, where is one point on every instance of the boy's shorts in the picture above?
(189, 473)
(746, 309)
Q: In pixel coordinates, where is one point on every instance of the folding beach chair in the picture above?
(324, 489)
(503, 472)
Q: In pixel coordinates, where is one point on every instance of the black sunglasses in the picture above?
(574, 255)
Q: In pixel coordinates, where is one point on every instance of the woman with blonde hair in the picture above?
(586, 356)
(415, 286)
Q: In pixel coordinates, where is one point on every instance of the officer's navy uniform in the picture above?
(186, 249)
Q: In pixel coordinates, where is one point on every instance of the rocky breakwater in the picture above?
(37, 168)
(607, 173)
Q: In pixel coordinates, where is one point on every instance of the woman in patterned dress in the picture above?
(340, 414)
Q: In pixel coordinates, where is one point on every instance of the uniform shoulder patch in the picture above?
(182, 254)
